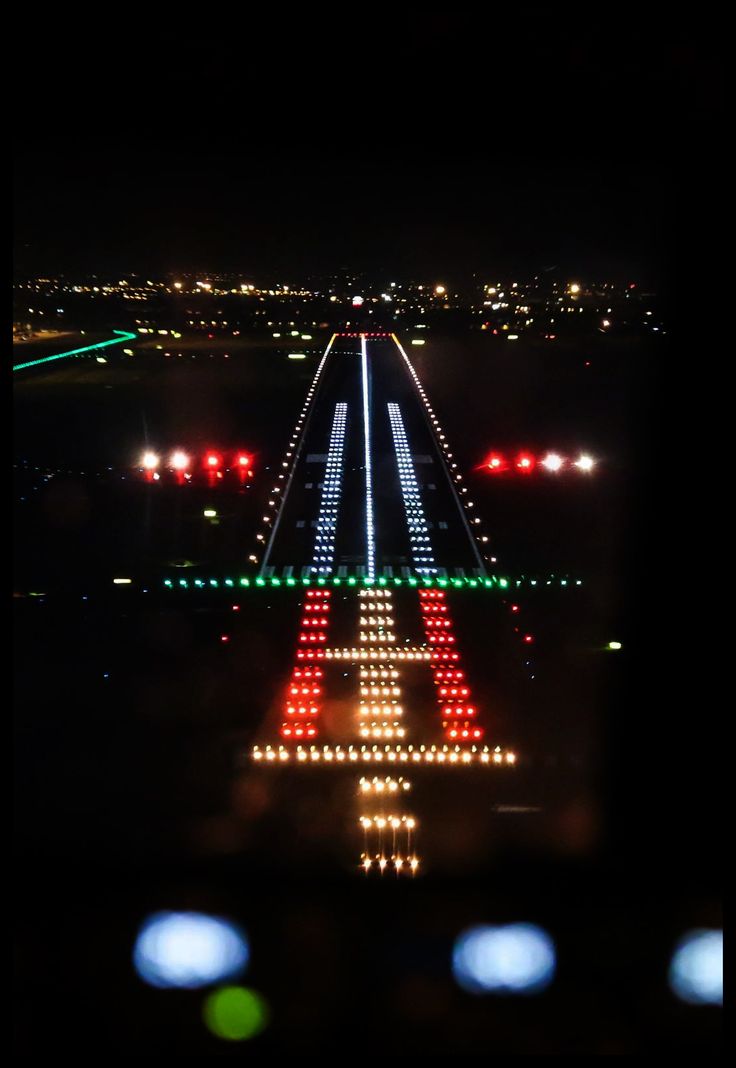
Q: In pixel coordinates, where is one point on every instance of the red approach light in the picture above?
(525, 463)
(213, 461)
(528, 639)
(496, 463)
(243, 460)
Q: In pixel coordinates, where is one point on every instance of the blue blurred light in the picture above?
(696, 968)
(189, 949)
(517, 958)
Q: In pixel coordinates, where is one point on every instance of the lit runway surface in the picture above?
(293, 548)
(369, 490)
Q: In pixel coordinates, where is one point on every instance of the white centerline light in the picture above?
(369, 529)
(324, 542)
(421, 549)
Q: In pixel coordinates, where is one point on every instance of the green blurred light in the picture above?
(235, 1013)
(76, 352)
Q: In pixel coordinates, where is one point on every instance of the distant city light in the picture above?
(100, 359)
(439, 290)
(357, 301)
(517, 958)
(210, 513)
(177, 285)
(552, 461)
(150, 461)
(418, 341)
(189, 950)
(696, 969)
(297, 355)
(122, 582)
(235, 1013)
(574, 287)
(179, 460)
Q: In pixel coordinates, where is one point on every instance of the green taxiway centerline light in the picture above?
(77, 352)
(260, 581)
(184, 583)
(352, 580)
(168, 582)
(290, 582)
(229, 582)
(245, 582)
(275, 581)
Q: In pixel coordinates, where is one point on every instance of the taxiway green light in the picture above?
(235, 1013)
(124, 336)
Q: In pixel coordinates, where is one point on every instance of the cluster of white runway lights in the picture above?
(380, 721)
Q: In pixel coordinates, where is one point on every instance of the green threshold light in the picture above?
(123, 336)
(411, 582)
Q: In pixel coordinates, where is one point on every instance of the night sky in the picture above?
(419, 146)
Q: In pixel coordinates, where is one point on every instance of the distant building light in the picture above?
(417, 341)
(122, 581)
(210, 513)
(614, 645)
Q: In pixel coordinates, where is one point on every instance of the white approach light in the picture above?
(552, 461)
